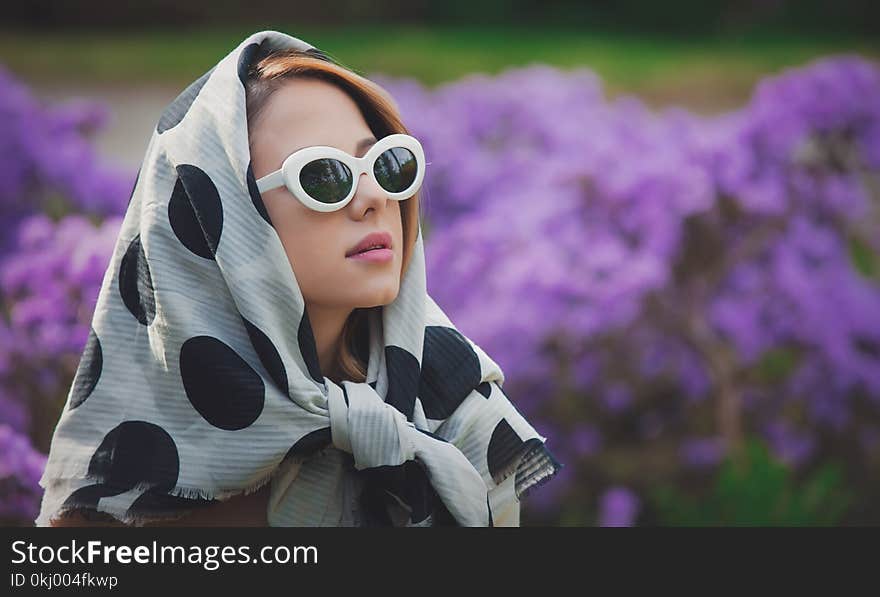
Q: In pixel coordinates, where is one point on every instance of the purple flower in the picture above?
(599, 250)
(20, 470)
(618, 507)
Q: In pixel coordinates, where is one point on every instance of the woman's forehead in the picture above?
(313, 117)
(304, 99)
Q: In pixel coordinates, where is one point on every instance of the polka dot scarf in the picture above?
(200, 378)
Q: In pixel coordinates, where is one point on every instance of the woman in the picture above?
(264, 351)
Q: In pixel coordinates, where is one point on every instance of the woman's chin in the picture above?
(376, 298)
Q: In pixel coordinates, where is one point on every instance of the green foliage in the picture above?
(760, 492)
(634, 63)
(864, 258)
(776, 364)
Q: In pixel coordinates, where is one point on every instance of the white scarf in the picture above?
(200, 378)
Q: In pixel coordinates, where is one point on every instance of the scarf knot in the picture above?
(376, 434)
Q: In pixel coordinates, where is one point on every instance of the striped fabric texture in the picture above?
(200, 378)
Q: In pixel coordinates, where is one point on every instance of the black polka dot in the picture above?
(136, 283)
(450, 371)
(308, 348)
(403, 379)
(504, 451)
(485, 389)
(179, 106)
(374, 506)
(88, 497)
(195, 211)
(407, 482)
(89, 370)
(248, 56)
(136, 452)
(268, 355)
(443, 517)
(310, 443)
(256, 197)
(184, 223)
(221, 386)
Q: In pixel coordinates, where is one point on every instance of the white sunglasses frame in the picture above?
(288, 174)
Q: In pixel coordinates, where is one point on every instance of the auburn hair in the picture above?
(268, 72)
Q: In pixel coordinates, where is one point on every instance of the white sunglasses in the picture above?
(326, 178)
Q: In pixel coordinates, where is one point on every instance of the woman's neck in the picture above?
(327, 324)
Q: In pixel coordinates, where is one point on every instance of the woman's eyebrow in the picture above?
(363, 144)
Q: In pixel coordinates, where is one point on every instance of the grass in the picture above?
(696, 71)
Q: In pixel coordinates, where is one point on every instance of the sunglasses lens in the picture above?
(326, 180)
(396, 169)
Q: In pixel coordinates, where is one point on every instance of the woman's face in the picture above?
(312, 112)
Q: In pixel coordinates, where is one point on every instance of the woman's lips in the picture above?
(376, 255)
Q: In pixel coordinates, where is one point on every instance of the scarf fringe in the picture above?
(537, 466)
(126, 516)
(113, 514)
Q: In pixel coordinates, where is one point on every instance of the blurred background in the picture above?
(661, 219)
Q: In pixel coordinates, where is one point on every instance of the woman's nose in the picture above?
(368, 194)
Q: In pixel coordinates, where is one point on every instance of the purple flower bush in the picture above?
(663, 283)
(656, 285)
(60, 212)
